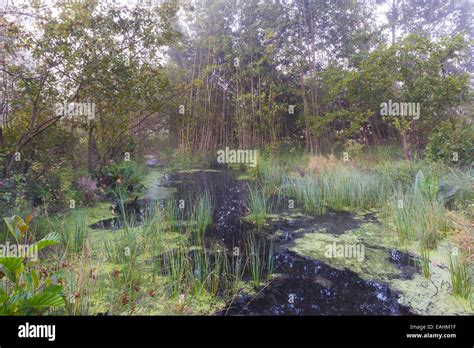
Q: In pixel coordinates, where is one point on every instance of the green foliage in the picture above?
(425, 261)
(73, 236)
(53, 187)
(451, 143)
(354, 149)
(122, 178)
(24, 290)
(13, 195)
(257, 206)
(419, 214)
(458, 269)
(259, 260)
(339, 188)
(427, 186)
(202, 215)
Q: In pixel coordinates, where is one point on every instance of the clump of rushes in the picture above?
(176, 267)
(418, 214)
(123, 247)
(460, 282)
(154, 235)
(74, 235)
(337, 189)
(307, 193)
(271, 177)
(257, 206)
(173, 214)
(350, 187)
(259, 259)
(209, 271)
(425, 261)
(202, 215)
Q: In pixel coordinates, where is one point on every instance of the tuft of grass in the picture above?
(257, 206)
(339, 188)
(123, 246)
(73, 237)
(271, 177)
(308, 192)
(259, 260)
(202, 215)
(173, 214)
(460, 282)
(418, 214)
(176, 267)
(425, 261)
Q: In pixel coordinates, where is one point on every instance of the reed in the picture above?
(257, 206)
(458, 270)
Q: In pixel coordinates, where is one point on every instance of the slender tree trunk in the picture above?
(90, 149)
(406, 147)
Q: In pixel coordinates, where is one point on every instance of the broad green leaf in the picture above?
(11, 263)
(50, 239)
(46, 299)
(12, 224)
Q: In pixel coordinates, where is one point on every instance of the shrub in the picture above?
(52, 186)
(354, 149)
(451, 143)
(121, 177)
(25, 290)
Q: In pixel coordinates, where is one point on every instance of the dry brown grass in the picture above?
(319, 164)
(463, 233)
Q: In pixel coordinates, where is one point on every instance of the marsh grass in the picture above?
(339, 189)
(123, 246)
(257, 206)
(174, 215)
(176, 267)
(259, 259)
(83, 285)
(419, 215)
(308, 194)
(210, 271)
(200, 271)
(271, 176)
(458, 270)
(73, 235)
(201, 217)
(425, 261)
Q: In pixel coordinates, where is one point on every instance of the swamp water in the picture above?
(304, 280)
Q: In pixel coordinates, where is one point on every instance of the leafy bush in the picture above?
(24, 290)
(354, 149)
(12, 195)
(451, 143)
(121, 177)
(51, 186)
